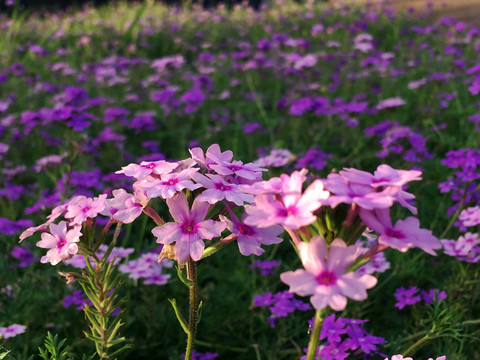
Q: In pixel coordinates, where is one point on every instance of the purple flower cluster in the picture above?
(266, 267)
(280, 304)
(148, 268)
(201, 356)
(412, 295)
(399, 140)
(462, 184)
(344, 337)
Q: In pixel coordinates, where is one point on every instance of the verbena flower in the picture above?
(288, 206)
(12, 330)
(190, 228)
(325, 276)
(406, 297)
(61, 241)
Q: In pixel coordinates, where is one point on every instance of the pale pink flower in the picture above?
(289, 208)
(406, 234)
(217, 188)
(12, 330)
(60, 241)
(56, 213)
(213, 156)
(248, 171)
(146, 168)
(169, 184)
(325, 276)
(250, 238)
(80, 208)
(389, 103)
(190, 228)
(365, 196)
(470, 216)
(386, 180)
(126, 207)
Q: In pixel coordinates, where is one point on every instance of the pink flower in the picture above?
(289, 208)
(12, 330)
(385, 180)
(389, 103)
(125, 207)
(326, 280)
(169, 184)
(189, 229)
(248, 171)
(80, 208)
(56, 213)
(364, 195)
(250, 237)
(406, 234)
(213, 156)
(146, 168)
(61, 242)
(217, 188)
(470, 216)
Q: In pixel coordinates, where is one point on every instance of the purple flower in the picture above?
(430, 295)
(406, 296)
(266, 267)
(280, 304)
(26, 257)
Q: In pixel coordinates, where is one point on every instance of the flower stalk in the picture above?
(315, 336)
(193, 316)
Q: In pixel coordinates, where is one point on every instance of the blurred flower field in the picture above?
(307, 174)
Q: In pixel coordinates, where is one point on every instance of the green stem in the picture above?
(192, 325)
(417, 344)
(317, 327)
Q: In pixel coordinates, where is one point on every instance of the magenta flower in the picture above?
(326, 280)
(189, 229)
(61, 242)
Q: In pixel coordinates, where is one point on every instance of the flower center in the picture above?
(222, 187)
(394, 233)
(188, 228)
(61, 243)
(326, 278)
(245, 230)
(284, 212)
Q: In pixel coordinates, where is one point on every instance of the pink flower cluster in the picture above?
(61, 239)
(213, 177)
(374, 194)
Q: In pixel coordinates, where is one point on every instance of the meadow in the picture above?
(134, 132)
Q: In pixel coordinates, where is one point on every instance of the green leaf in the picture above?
(182, 277)
(180, 318)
